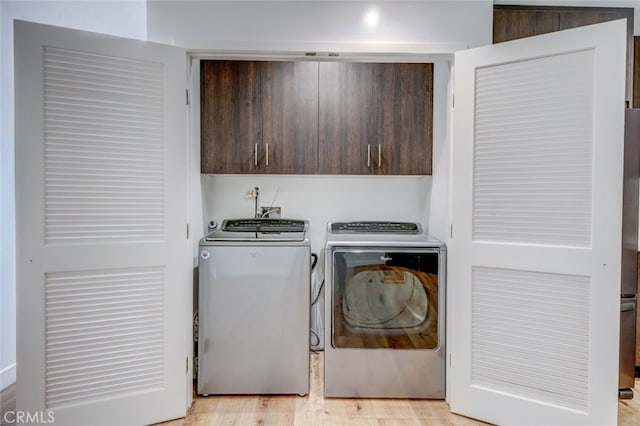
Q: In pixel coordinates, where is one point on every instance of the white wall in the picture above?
(319, 198)
(318, 25)
(438, 211)
(123, 18)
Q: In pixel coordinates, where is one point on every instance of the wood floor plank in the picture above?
(7, 403)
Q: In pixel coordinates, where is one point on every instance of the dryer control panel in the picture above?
(375, 227)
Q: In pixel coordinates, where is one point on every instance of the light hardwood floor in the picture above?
(316, 410)
(7, 403)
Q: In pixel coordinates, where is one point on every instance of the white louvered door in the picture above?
(534, 272)
(103, 274)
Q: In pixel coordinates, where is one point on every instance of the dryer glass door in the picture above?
(385, 299)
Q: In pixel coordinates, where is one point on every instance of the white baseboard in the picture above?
(7, 376)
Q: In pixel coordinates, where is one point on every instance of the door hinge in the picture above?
(187, 231)
(449, 360)
(187, 90)
(451, 231)
(187, 362)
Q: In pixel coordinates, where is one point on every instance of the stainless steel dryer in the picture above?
(384, 311)
(254, 290)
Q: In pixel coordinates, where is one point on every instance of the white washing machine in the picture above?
(254, 290)
(384, 311)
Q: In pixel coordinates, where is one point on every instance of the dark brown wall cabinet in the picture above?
(375, 118)
(511, 22)
(259, 117)
(316, 117)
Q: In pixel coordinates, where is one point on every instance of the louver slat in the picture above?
(104, 158)
(533, 154)
(104, 334)
(531, 334)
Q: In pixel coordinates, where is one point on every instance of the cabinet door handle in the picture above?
(379, 155)
(368, 155)
(628, 306)
(255, 155)
(267, 154)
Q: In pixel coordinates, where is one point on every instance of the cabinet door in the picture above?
(289, 117)
(259, 117)
(375, 118)
(231, 116)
